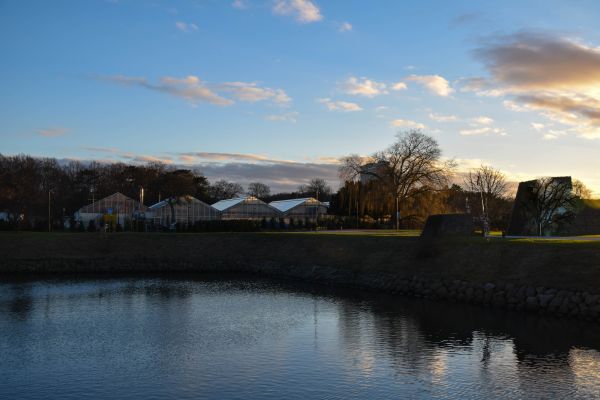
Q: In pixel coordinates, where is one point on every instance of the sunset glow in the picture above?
(278, 91)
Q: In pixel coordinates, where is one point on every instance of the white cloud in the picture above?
(112, 150)
(149, 159)
(227, 157)
(555, 76)
(537, 126)
(194, 90)
(481, 87)
(553, 134)
(483, 120)
(186, 27)
(280, 175)
(482, 126)
(474, 131)
(288, 117)
(434, 83)
(251, 92)
(346, 27)
(399, 86)
(187, 159)
(511, 105)
(52, 132)
(405, 123)
(486, 130)
(304, 11)
(339, 105)
(443, 118)
(363, 87)
(467, 164)
(190, 88)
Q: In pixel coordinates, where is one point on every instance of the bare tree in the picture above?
(580, 190)
(259, 190)
(486, 180)
(408, 168)
(318, 187)
(352, 166)
(553, 202)
(223, 189)
(489, 184)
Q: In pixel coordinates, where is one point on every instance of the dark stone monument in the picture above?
(522, 222)
(441, 225)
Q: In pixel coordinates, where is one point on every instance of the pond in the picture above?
(242, 338)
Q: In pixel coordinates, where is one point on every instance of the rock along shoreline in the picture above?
(555, 279)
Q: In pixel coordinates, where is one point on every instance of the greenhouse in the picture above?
(304, 208)
(183, 210)
(245, 207)
(116, 208)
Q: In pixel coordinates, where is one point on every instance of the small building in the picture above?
(187, 209)
(245, 207)
(116, 208)
(303, 208)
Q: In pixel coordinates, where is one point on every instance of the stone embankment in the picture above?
(541, 300)
(560, 279)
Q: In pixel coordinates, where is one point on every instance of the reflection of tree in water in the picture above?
(419, 338)
(20, 302)
(528, 348)
(375, 330)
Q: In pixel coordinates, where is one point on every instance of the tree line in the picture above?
(399, 186)
(36, 190)
(409, 180)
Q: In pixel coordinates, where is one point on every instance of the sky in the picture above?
(278, 90)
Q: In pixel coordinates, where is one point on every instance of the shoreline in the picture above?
(547, 278)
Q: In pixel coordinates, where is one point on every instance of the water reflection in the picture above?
(243, 338)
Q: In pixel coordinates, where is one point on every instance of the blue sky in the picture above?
(277, 90)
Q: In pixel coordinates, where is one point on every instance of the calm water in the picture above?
(184, 338)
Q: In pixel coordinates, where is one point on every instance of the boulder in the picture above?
(441, 225)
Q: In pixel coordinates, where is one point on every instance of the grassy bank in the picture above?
(347, 257)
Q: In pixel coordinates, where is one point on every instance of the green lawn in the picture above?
(406, 233)
(363, 232)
